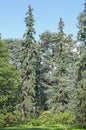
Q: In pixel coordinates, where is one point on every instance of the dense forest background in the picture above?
(44, 81)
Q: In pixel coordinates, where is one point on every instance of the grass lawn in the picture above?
(58, 127)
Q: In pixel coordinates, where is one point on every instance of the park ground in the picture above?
(58, 127)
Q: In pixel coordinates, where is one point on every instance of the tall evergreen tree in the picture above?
(28, 66)
(47, 40)
(33, 97)
(40, 84)
(81, 69)
(61, 85)
(32, 72)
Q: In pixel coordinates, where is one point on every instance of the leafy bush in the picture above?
(17, 115)
(64, 118)
(2, 120)
(36, 122)
(49, 118)
(12, 119)
(9, 119)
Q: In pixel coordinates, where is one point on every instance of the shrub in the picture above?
(49, 118)
(36, 122)
(9, 119)
(2, 120)
(64, 118)
(18, 117)
(13, 118)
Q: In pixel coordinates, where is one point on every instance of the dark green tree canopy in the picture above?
(9, 80)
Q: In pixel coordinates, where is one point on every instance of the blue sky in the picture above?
(46, 14)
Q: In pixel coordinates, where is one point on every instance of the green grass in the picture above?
(58, 127)
(33, 128)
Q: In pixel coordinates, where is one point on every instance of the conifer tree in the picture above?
(61, 85)
(81, 69)
(40, 85)
(33, 97)
(28, 66)
(47, 53)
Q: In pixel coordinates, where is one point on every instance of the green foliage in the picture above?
(81, 71)
(34, 122)
(61, 79)
(50, 119)
(12, 119)
(2, 120)
(53, 88)
(29, 20)
(15, 51)
(9, 81)
(65, 118)
(3, 51)
(9, 119)
(28, 74)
